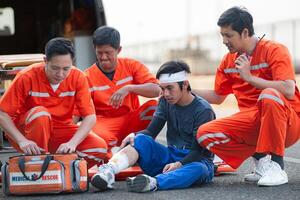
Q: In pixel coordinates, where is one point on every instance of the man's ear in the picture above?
(45, 60)
(119, 49)
(185, 84)
(245, 33)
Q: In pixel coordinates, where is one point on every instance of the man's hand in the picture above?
(67, 147)
(29, 147)
(242, 63)
(172, 166)
(128, 140)
(116, 100)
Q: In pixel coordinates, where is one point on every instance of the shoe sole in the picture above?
(99, 183)
(270, 184)
(137, 184)
(251, 180)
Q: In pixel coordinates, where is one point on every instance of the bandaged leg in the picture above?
(105, 177)
(123, 159)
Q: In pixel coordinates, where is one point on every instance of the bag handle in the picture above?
(43, 170)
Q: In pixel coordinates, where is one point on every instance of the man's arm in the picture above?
(27, 146)
(211, 96)
(149, 90)
(285, 87)
(146, 90)
(196, 152)
(86, 125)
(152, 130)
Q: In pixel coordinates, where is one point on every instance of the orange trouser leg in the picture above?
(279, 123)
(107, 127)
(268, 127)
(232, 138)
(139, 119)
(35, 125)
(114, 129)
(92, 148)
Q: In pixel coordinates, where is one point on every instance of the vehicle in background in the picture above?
(26, 26)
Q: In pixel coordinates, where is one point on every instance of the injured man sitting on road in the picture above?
(170, 167)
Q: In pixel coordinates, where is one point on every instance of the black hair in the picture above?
(106, 35)
(172, 67)
(59, 46)
(238, 18)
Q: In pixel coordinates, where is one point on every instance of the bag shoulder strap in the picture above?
(44, 168)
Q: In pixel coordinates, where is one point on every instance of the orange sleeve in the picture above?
(15, 96)
(281, 63)
(76, 111)
(84, 103)
(223, 84)
(141, 74)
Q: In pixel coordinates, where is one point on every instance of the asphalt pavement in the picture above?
(227, 186)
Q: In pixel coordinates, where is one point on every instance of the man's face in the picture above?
(58, 68)
(107, 57)
(171, 92)
(232, 39)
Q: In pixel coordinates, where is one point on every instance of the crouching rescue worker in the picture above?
(36, 110)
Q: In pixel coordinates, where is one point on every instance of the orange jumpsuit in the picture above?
(45, 116)
(113, 125)
(267, 121)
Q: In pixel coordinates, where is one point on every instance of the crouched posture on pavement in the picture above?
(36, 111)
(260, 74)
(166, 167)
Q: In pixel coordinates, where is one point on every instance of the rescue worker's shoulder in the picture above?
(31, 71)
(90, 71)
(268, 47)
(75, 72)
(130, 63)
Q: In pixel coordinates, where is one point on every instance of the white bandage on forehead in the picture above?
(173, 78)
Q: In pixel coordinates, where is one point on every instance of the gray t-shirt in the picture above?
(184, 121)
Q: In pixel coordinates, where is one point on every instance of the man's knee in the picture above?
(202, 131)
(38, 115)
(270, 96)
(148, 109)
(141, 140)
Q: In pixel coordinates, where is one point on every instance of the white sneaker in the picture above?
(141, 183)
(261, 166)
(274, 176)
(104, 178)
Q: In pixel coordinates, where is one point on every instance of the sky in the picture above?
(142, 21)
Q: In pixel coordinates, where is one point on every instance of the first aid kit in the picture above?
(44, 174)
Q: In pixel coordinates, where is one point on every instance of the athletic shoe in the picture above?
(141, 183)
(261, 166)
(273, 176)
(104, 178)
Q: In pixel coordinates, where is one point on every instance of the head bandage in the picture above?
(173, 78)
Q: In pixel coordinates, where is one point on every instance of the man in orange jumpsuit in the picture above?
(36, 111)
(260, 74)
(115, 84)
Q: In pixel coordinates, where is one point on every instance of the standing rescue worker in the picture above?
(115, 84)
(36, 110)
(260, 74)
